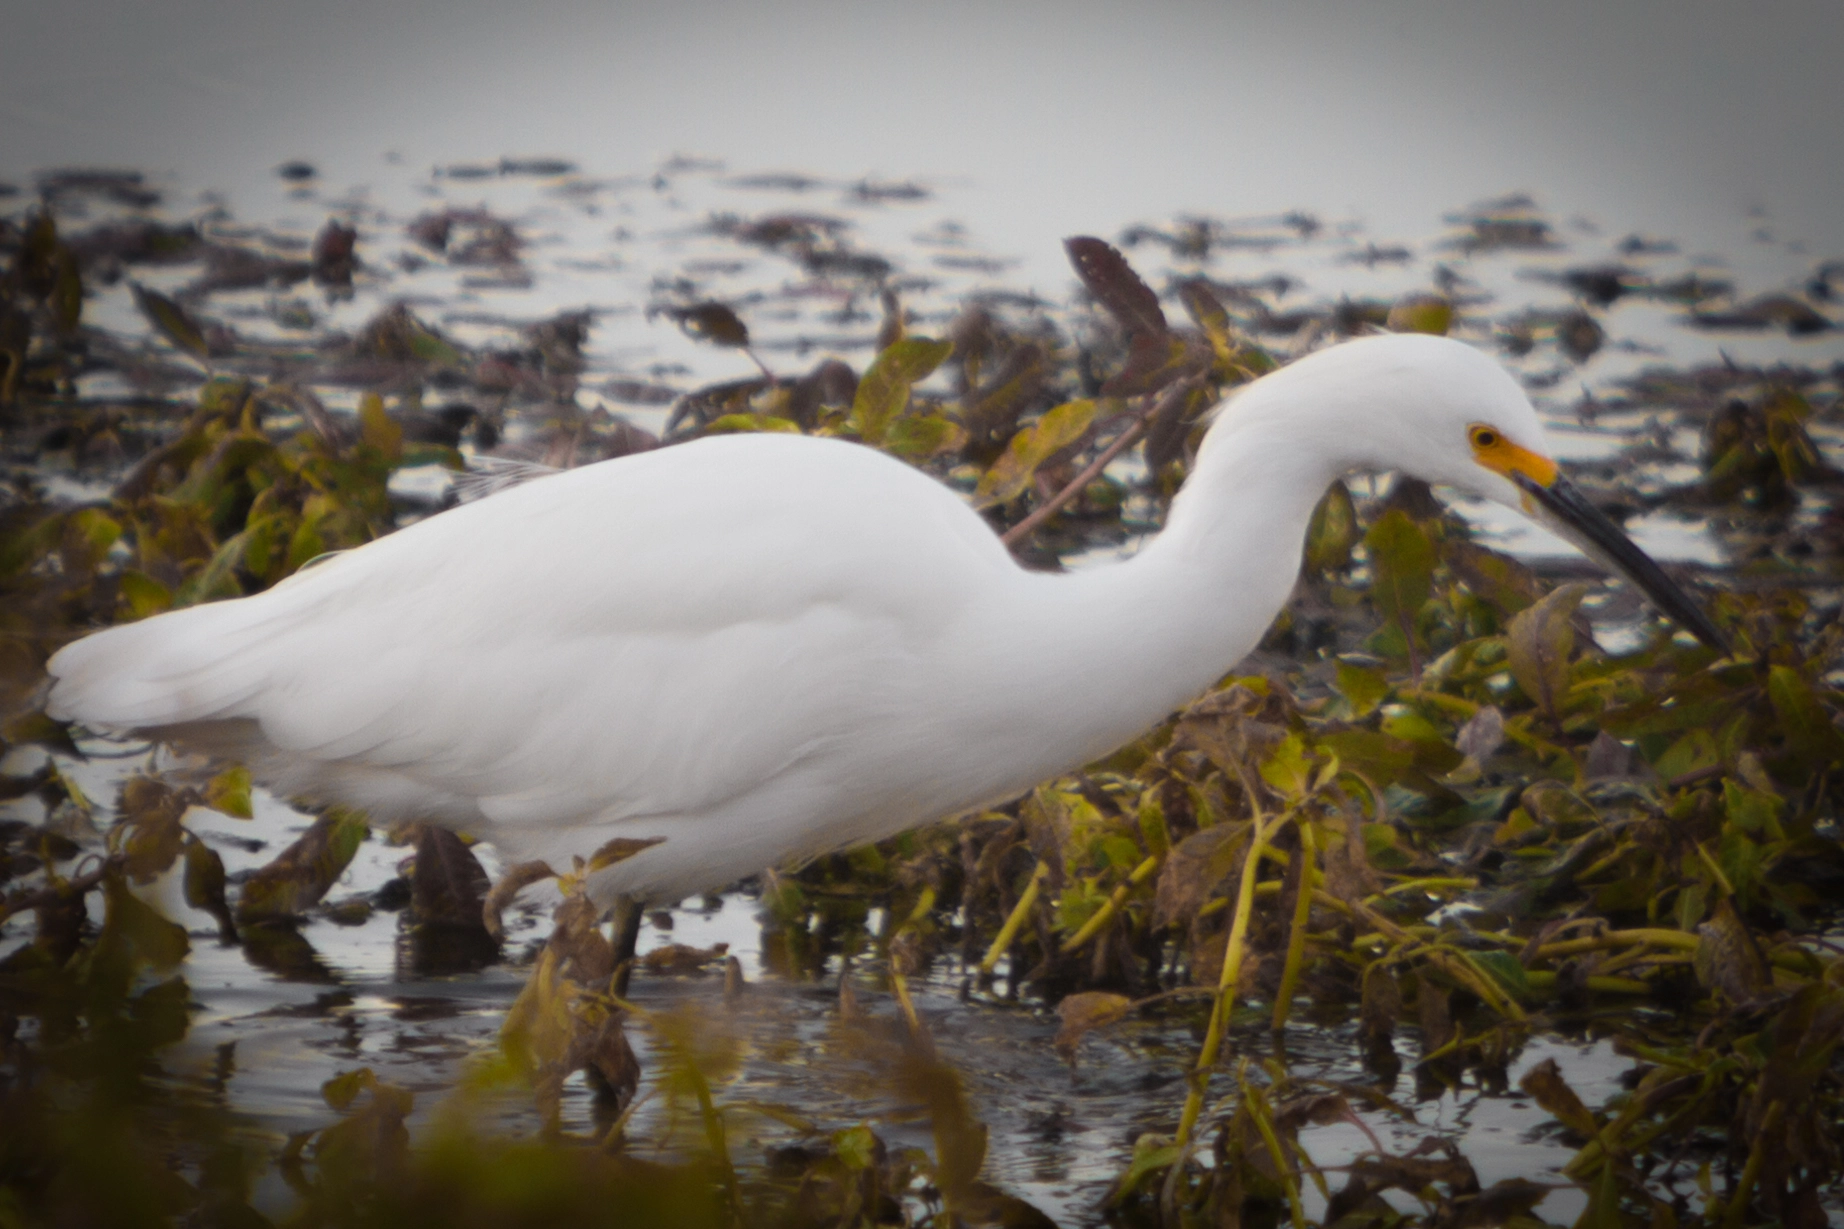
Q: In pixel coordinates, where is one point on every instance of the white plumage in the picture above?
(762, 647)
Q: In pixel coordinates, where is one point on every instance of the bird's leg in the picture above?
(627, 911)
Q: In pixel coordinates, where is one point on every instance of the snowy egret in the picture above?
(755, 648)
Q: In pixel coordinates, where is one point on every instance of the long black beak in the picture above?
(1586, 526)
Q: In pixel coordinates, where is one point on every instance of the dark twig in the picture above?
(1079, 483)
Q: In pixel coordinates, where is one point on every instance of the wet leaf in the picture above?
(1106, 275)
(204, 885)
(1011, 474)
(135, 932)
(173, 321)
(1728, 961)
(343, 1089)
(301, 874)
(714, 322)
(730, 424)
(683, 958)
(1537, 647)
(883, 391)
(1081, 1013)
(448, 886)
(1544, 1082)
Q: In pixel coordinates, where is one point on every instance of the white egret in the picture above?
(756, 648)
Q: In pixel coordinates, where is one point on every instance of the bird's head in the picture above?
(1446, 413)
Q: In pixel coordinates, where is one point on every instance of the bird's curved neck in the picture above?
(1115, 648)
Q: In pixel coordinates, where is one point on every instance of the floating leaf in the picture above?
(1081, 1013)
(714, 322)
(204, 885)
(1544, 1082)
(1011, 474)
(1537, 647)
(301, 874)
(448, 885)
(172, 321)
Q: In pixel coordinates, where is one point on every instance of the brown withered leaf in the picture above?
(149, 835)
(1491, 576)
(583, 952)
(1106, 274)
(1545, 1083)
(1081, 1013)
(1728, 961)
(516, 877)
(1155, 360)
(1195, 868)
(448, 886)
(711, 321)
(603, 1053)
(683, 958)
(301, 874)
(1382, 1002)
(1505, 1200)
(620, 849)
(1538, 645)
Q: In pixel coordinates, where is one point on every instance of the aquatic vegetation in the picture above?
(1452, 806)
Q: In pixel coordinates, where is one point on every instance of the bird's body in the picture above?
(757, 648)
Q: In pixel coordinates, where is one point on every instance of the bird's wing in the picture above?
(648, 636)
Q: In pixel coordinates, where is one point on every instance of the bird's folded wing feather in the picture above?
(649, 636)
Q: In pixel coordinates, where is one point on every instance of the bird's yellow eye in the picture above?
(1492, 450)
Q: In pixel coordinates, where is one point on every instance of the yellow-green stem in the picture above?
(1296, 937)
(1003, 942)
(1736, 1214)
(1226, 984)
(1111, 906)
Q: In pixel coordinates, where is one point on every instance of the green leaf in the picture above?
(917, 436)
(1421, 313)
(883, 392)
(1363, 688)
(1402, 560)
(229, 792)
(218, 578)
(143, 595)
(377, 428)
(1537, 648)
(1031, 447)
(1290, 768)
(1504, 969)
(1808, 726)
(1333, 531)
(742, 423)
(343, 1089)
